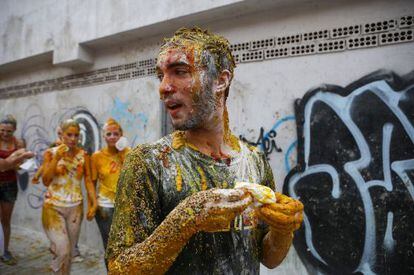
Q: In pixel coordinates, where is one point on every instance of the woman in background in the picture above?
(64, 168)
(8, 181)
(106, 166)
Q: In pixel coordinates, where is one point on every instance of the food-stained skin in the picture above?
(112, 133)
(67, 163)
(184, 88)
(64, 168)
(65, 188)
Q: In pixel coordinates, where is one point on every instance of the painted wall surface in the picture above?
(355, 174)
(262, 111)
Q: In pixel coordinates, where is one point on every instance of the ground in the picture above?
(31, 250)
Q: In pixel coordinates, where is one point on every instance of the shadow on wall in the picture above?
(355, 176)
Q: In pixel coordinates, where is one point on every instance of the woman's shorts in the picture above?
(8, 191)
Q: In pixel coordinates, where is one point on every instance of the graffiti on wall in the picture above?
(355, 176)
(133, 122)
(267, 141)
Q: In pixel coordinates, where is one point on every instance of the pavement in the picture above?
(31, 249)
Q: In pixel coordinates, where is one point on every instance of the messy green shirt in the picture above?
(157, 177)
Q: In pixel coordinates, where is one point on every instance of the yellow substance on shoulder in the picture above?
(178, 179)
(179, 141)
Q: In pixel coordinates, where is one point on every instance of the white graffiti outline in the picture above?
(341, 106)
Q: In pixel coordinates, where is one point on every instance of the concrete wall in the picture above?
(50, 41)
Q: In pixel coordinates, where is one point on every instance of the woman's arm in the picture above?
(50, 163)
(14, 159)
(90, 189)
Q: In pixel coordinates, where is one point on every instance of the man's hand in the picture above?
(284, 216)
(214, 209)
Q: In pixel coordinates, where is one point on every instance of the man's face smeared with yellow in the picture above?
(186, 87)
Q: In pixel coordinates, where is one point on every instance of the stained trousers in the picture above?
(62, 227)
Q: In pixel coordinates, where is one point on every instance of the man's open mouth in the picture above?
(173, 105)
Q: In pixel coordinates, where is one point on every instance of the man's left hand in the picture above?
(284, 216)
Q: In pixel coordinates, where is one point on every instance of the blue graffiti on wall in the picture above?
(267, 141)
(135, 123)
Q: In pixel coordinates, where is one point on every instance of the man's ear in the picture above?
(223, 81)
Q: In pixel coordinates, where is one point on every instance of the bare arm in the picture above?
(50, 161)
(38, 174)
(49, 167)
(284, 217)
(90, 189)
(14, 159)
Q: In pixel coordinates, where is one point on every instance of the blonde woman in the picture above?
(64, 168)
(8, 181)
(106, 165)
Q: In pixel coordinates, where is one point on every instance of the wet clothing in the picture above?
(65, 188)
(63, 208)
(105, 168)
(62, 227)
(158, 176)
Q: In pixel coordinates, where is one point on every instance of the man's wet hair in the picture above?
(211, 50)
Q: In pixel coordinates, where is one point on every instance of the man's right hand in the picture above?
(214, 209)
